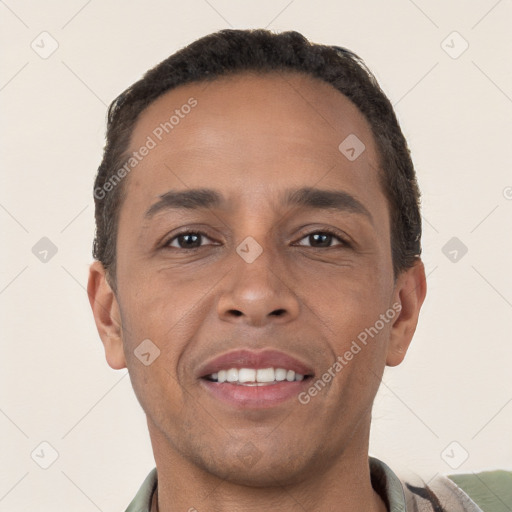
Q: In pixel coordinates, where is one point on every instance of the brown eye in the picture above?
(320, 239)
(187, 240)
(323, 239)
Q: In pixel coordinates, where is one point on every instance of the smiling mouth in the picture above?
(255, 377)
(248, 379)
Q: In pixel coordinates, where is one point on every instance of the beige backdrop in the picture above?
(447, 68)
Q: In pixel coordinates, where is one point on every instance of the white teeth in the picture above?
(232, 375)
(280, 374)
(265, 375)
(247, 375)
(253, 377)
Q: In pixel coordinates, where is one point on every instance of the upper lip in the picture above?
(245, 358)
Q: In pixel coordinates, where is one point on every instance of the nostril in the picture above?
(278, 312)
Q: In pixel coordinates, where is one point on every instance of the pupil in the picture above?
(189, 236)
(323, 239)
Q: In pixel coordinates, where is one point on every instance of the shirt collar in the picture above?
(387, 485)
(142, 500)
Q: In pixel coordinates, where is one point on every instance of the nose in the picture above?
(258, 293)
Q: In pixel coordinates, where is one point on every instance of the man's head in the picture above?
(274, 211)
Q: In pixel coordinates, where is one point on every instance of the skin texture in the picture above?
(251, 137)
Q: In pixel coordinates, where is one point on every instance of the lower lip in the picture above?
(257, 397)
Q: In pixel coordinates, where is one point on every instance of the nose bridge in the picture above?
(256, 292)
(252, 266)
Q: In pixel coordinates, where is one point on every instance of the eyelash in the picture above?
(325, 231)
(328, 231)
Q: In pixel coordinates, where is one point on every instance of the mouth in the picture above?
(248, 379)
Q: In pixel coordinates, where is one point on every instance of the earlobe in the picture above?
(105, 309)
(410, 291)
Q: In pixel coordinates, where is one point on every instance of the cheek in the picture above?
(347, 300)
(358, 334)
(168, 309)
(155, 335)
(161, 312)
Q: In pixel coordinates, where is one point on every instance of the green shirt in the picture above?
(490, 491)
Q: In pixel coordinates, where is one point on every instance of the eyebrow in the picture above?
(192, 199)
(308, 197)
(337, 200)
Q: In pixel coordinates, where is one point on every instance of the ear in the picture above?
(410, 291)
(106, 315)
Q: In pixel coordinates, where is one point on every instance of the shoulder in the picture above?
(489, 491)
(439, 495)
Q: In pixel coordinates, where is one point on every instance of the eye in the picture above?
(187, 240)
(324, 239)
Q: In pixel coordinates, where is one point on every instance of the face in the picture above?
(249, 241)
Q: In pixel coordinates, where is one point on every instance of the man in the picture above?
(258, 265)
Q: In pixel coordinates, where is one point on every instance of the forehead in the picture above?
(250, 133)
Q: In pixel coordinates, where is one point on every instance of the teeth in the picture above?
(253, 377)
(232, 375)
(247, 375)
(265, 375)
(280, 374)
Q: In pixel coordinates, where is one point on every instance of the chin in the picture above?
(258, 470)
